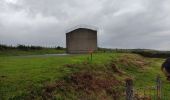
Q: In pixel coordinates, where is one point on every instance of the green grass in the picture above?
(18, 75)
(22, 72)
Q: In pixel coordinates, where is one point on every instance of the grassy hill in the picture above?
(74, 77)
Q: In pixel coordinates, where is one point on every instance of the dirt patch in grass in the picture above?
(91, 86)
(90, 82)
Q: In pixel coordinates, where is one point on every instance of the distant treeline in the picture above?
(26, 47)
(153, 54)
(143, 52)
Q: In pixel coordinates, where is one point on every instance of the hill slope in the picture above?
(75, 76)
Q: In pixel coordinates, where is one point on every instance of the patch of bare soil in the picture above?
(90, 84)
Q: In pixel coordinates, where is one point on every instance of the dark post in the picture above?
(129, 89)
(91, 56)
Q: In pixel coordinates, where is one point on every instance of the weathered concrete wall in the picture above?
(81, 40)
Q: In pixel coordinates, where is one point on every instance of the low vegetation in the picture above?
(21, 50)
(144, 52)
(75, 77)
(153, 54)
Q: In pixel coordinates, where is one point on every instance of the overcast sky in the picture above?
(120, 23)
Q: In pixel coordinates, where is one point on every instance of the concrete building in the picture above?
(81, 40)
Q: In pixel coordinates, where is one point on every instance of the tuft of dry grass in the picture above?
(132, 60)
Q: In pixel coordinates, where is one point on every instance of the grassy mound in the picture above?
(92, 81)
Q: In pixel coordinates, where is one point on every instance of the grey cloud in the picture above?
(121, 24)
